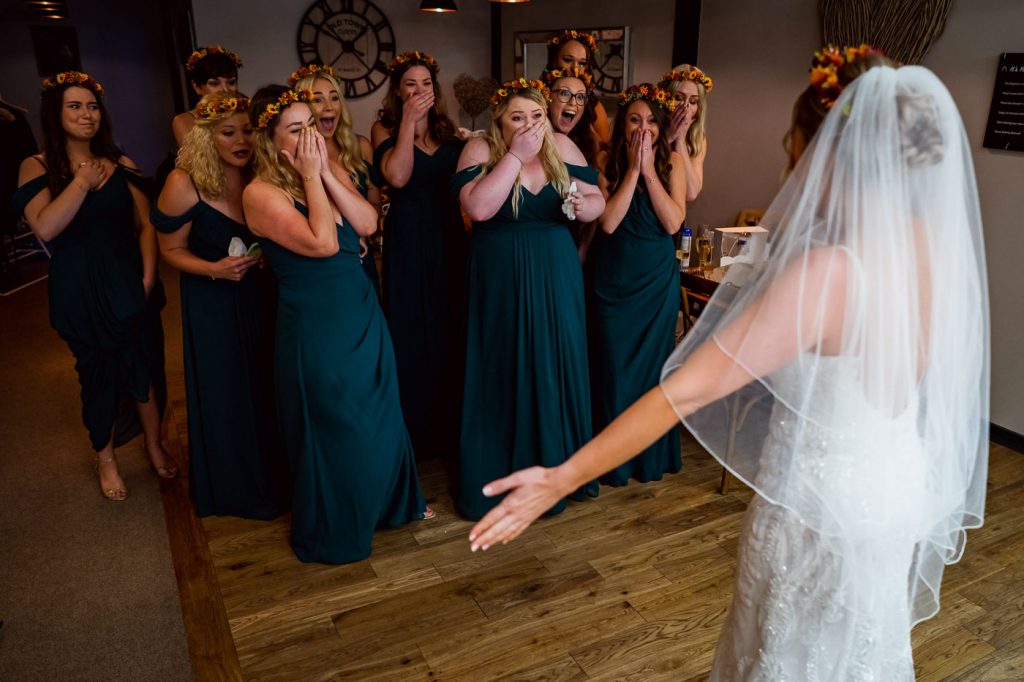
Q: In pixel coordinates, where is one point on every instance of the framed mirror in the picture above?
(611, 66)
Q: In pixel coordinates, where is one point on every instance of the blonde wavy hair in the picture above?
(554, 167)
(697, 133)
(351, 156)
(198, 154)
(268, 162)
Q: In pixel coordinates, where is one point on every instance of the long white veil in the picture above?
(879, 225)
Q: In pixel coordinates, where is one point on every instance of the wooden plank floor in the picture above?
(633, 585)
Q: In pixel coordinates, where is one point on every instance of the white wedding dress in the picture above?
(812, 605)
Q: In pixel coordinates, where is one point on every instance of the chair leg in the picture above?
(723, 488)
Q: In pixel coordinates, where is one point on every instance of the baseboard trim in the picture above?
(1005, 437)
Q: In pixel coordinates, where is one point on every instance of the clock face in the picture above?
(353, 37)
(608, 68)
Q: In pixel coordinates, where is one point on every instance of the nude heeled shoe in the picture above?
(118, 494)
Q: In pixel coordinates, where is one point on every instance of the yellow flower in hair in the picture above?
(73, 78)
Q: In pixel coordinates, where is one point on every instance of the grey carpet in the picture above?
(87, 587)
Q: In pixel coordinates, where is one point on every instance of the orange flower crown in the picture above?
(648, 93)
(579, 36)
(825, 69)
(198, 55)
(307, 71)
(692, 74)
(219, 107)
(73, 78)
(274, 109)
(552, 75)
(414, 56)
(514, 87)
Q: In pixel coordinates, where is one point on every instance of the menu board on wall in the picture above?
(1005, 128)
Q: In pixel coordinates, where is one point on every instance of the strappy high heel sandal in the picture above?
(118, 494)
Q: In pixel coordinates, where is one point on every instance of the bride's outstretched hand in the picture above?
(531, 492)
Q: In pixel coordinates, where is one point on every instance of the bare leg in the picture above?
(149, 415)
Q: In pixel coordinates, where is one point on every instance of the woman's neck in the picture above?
(422, 130)
(333, 148)
(78, 149)
(235, 178)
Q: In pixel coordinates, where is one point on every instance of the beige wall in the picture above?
(264, 33)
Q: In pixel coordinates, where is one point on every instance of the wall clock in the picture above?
(353, 37)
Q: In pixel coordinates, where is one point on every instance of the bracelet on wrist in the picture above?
(517, 157)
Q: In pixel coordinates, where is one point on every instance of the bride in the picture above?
(844, 377)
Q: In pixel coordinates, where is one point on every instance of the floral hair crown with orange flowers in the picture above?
(274, 109)
(514, 87)
(414, 56)
(825, 69)
(73, 78)
(307, 71)
(552, 75)
(198, 55)
(579, 36)
(219, 107)
(648, 93)
(692, 74)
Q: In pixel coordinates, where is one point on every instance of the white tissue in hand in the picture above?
(236, 247)
(567, 207)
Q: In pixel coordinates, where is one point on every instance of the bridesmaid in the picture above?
(569, 113)
(337, 392)
(236, 460)
(636, 276)
(686, 132)
(210, 69)
(349, 154)
(83, 196)
(424, 252)
(571, 48)
(527, 395)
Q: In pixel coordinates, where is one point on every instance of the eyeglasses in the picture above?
(564, 95)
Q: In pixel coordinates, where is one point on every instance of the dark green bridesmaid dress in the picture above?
(337, 394)
(527, 393)
(424, 268)
(634, 305)
(98, 305)
(237, 464)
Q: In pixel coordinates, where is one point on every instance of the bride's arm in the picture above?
(708, 374)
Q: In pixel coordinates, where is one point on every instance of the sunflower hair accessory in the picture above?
(579, 36)
(551, 75)
(691, 74)
(198, 55)
(219, 107)
(307, 71)
(274, 109)
(825, 68)
(414, 56)
(73, 78)
(514, 87)
(648, 93)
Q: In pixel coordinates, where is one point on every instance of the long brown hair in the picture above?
(441, 127)
(618, 161)
(55, 138)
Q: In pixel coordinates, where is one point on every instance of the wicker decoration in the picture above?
(474, 95)
(904, 29)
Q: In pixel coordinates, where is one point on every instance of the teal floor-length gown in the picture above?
(98, 306)
(527, 393)
(337, 395)
(424, 266)
(237, 465)
(634, 306)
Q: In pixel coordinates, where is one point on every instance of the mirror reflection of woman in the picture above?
(83, 196)
(236, 460)
(417, 150)
(209, 69)
(687, 131)
(527, 392)
(635, 282)
(350, 155)
(337, 391)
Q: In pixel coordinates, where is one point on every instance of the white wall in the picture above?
(263, 33)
